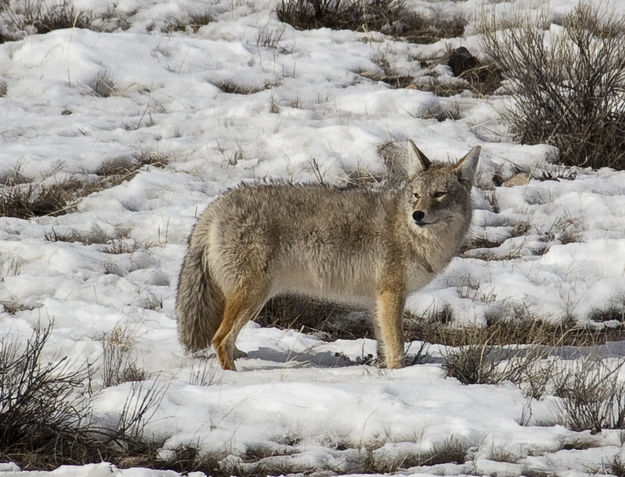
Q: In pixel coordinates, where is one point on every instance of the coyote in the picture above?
(354, 246)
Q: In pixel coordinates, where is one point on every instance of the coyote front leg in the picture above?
(389, 314)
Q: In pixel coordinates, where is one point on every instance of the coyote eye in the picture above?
(416, 195)
(439, 195)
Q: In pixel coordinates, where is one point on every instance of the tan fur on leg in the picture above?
(240, 308)
(390, 308)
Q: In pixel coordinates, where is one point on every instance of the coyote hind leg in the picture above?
(240, 307)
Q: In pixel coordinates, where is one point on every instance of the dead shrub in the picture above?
(38, 400)
(386, 16)
(592, 395)
(45, 412)
(567, 92)
(339, 15)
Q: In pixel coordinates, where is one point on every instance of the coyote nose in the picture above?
(418, 215)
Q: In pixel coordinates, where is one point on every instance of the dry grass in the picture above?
(270, 37)
(26, 198)
(481, 80)
(41, 16)
(232, 87)
(507, 332)
(452, 450)
(504, 351)
(204, 372)
(87, 238)
(339, 15)
(192, 23)
(387, 16)
(102, 85)
(388, 73)
(592, 395)
(325, 320)
(567, 93)
(119, 362)
(115, 171)
(112, 19)
(376, 461)
(30, 200)
(616, 466)
(331, 321)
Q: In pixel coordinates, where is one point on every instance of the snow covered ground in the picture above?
(556, 248)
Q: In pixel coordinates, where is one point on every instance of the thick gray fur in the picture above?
(367, 247)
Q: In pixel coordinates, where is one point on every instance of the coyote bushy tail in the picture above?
(199, 303)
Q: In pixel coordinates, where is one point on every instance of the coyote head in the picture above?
(439, 195)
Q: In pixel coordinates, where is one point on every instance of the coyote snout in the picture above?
(369, 247)
(418, 216)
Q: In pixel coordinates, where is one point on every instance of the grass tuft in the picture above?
(102, 85)
(30, 200)
(231, 87)
(41, 16)
(616, 466)
(192, 23)
(119, 364)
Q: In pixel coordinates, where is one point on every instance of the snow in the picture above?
(568, 261)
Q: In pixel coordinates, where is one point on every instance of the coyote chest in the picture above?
(417, 276)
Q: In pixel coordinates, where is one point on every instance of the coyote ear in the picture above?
(417, 161)
(467, 165)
